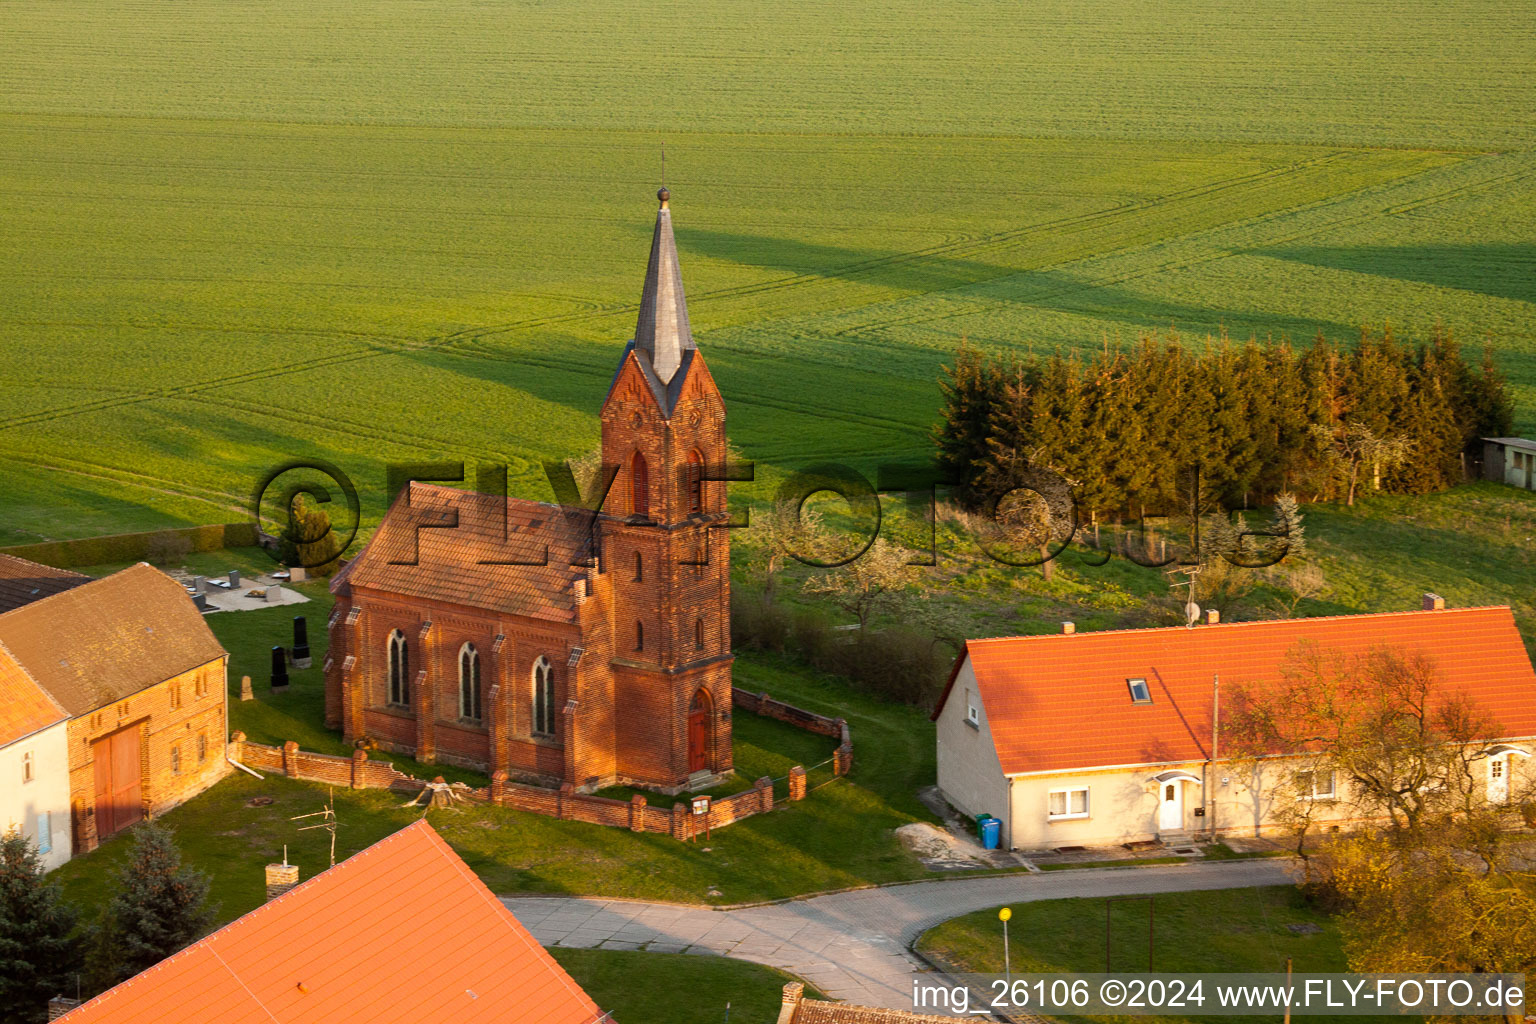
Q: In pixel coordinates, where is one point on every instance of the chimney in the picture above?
(1433, 602)
(1212, 616)
(1068, 628)
(794, 992)
(281, 877)
(58, 1006)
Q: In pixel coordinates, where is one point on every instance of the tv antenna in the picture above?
(1189, 572)
(330, 824)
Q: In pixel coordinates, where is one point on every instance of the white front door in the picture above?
(1170, 812)
(1498, 779)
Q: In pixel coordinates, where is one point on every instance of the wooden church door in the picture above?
(698, 732)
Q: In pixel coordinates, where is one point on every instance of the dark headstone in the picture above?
(301, 657)
(279, 669)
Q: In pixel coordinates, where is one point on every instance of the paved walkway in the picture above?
(854, 945)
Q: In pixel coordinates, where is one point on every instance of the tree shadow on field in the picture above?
(1008, 286)
(1506, 271)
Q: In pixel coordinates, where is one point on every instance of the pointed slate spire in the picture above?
(662, 333)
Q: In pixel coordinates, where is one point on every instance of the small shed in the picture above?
(1510, 460)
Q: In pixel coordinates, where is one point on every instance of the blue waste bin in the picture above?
(991, 833)
(981, 822)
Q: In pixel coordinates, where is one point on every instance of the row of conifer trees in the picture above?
(1125, 425)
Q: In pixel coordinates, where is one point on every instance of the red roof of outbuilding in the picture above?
(1061, 702)
(402, 932)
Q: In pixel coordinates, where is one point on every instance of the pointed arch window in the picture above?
(543, 698)
(639, 567)
(469, 682)
(698, 633)
(399, 669)
(693, 481)
(639, 635)
(639, 486)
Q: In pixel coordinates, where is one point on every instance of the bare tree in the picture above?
(781, 531)
(875, 581)
(1353, 445)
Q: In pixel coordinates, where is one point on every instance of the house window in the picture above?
(639, 486)
(200, 686)
(202, 747)
(1140, 692)
(1068, 803)
(175, 760)
(698, 634)
(44, 831)
(693, 481)
(469, 682)
(639, 567)
(972, 709)
(399, 669)
(26, 767)
(175, 696)
(543, 698)
(639, 636)
(1316, 785)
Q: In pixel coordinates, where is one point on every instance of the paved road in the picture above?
(854, 945)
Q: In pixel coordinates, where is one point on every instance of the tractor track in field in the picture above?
(455, 342)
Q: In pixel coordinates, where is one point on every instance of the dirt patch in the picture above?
(936, 848)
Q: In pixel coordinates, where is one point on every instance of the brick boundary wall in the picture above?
(132, 547)
(635, 814)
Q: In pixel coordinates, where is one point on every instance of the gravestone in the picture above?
(245, 688)
(275, 593)
(234, 579)
(279, 670)
(301, 656)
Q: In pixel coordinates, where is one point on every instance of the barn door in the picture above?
(698, 732)
(119, 798)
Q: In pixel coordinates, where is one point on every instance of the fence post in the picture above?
(797, 783)
(359, 766)
(765, 791)
(637, 813)
(680, 820)
(236, 749)
(498, 786)
(291, 759)
(567, 790)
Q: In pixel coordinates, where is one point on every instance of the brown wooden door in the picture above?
(698, 733)
(119, 798)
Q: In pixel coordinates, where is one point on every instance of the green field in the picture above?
(239, 233)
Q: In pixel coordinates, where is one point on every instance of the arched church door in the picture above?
(698, 732)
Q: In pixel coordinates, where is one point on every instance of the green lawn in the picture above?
(840, 836)
(676, 988)
(1219, 930)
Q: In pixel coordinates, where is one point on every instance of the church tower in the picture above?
(664, 546)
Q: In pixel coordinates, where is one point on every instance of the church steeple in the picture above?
(662, 333)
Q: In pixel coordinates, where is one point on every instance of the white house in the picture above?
(1092, 739)
(34, 763)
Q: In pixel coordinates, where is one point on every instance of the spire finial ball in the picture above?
(663, 194)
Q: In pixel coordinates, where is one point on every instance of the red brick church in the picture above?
(555, 644)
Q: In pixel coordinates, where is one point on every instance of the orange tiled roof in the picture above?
(402, 932)
(107, 638)
(22, 582)
(25, 708)
(459, 564)
(1060, 701)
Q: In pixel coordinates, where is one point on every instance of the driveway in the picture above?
(853, 945)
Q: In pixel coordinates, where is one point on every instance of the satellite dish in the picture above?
(1192, 613)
